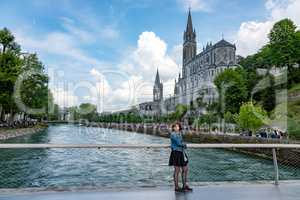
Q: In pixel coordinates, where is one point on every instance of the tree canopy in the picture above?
(232, 90)
(23, 82)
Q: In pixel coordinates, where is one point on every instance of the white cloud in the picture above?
(88, 31)
(137, 68)
(110, 96)
(150, 54)
(195, 5)
(176, 54)
(56, 43)
(252, 35)
(137, 71)
(141, 62)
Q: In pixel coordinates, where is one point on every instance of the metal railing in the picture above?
(141, 146)
(274, 148)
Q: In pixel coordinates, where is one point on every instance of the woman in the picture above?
(178, 158)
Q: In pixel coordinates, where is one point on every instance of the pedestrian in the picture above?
(178, 158)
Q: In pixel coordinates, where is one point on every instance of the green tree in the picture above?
(74, 113)
(282, 43)
(229, 117)
(180, 112)
(251, 117)
(88, 111)
(54, 115)
(10, 67)
(206, 119)
(285, 44)
(232, 90)
(34, 87)
(32, 92)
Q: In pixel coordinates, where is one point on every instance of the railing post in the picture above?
(275, 166)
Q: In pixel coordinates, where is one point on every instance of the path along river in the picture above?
(23, 168)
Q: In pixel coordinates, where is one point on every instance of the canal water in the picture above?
(59, 168)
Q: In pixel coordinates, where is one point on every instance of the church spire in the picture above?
(189, 41)
(157, 89)
(189, 25)
(157, 79)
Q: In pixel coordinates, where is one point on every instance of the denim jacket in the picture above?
(177, 143)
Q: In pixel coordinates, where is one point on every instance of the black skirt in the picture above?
(177, 159)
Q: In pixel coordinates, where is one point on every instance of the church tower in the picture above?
(189, 41)
(157, 89)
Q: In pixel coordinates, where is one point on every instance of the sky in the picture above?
(107, 52)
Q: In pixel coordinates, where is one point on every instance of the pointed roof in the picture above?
(157, 79)
(189, 25)
(223, 43)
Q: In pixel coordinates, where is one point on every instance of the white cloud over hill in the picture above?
(252, 35)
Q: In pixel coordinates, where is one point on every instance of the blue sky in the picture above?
(112, 46)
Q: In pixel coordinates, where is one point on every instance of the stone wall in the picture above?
(6, 134)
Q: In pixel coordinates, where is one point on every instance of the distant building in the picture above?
(199, 70)
(155, 107)
(196, 77)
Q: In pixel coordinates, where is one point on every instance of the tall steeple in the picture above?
(157, 89)
(157, 79)
(189, 41)
(189, 25)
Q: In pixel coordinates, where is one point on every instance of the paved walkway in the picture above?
(286, 191)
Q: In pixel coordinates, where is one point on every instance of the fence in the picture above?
(63, 165)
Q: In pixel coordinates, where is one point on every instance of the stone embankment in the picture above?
(285, 156)
(6, 134)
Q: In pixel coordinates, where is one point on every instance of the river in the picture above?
(59, 168)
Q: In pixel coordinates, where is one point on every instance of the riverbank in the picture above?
(284, 156)
(6, 134)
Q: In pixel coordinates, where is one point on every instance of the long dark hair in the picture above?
(176, 123)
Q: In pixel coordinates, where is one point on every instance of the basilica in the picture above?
(196, 76)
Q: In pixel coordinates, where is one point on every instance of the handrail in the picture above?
(141, 146)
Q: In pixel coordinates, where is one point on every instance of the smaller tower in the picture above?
(157, 89)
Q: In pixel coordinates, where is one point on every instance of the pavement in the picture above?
(241, 191)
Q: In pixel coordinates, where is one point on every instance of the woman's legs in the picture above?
(176, 176)
(184, 175)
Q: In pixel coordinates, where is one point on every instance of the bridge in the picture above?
(263, 189)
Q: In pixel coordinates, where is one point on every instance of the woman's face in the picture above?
(177, 128)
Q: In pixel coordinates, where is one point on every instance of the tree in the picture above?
(23, 82)
(207, 119)
(282, 43)
(180, 112)
(74, 113)
(7, 41)
(228, 117)
(54, 115)
(10, 67)
(251, 117)
(34, 86)
(285, 44)
(268, 97)
(232, 90)
(88, 111)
